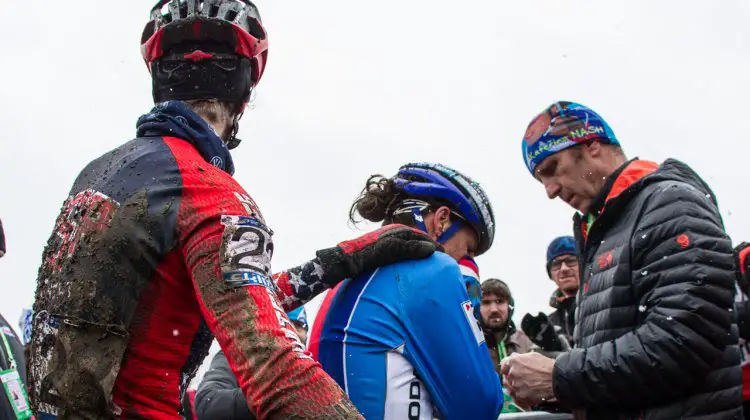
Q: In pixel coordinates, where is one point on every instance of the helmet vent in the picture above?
(255, 28)
(229, 10)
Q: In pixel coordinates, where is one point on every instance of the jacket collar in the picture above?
(617, 190)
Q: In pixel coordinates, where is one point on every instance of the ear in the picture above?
(442, 219)
(594, 148)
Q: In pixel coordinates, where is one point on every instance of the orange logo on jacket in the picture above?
(683, 240)
(605, 260)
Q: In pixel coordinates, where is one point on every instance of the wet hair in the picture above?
(215, 112)
(379, 200)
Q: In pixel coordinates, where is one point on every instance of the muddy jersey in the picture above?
(156, 251)
(403, 342)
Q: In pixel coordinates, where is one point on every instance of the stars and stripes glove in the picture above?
(387, 245)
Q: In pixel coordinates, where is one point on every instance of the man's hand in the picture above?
(529, 378)
(387, 245)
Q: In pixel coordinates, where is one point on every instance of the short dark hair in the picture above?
(496, 287)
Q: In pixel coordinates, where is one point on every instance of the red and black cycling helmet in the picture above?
(205, 49)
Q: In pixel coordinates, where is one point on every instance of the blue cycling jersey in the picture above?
(404, 343)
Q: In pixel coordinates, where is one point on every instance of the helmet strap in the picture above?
(233, 141)
(454, 227)
(418, 217)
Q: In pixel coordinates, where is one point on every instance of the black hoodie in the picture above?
(564, 314)
(656, 336)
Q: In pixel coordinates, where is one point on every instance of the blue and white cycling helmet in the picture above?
(433, 182)
(298, 315)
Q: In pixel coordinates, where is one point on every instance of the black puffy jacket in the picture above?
(219, 395)
(564, 314)
(655, 330)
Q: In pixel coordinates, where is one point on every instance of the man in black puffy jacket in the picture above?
(655, 331)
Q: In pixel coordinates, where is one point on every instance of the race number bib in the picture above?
(246, 251)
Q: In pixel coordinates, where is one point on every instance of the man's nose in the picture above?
(552, 188)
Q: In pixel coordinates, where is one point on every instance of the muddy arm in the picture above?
(227, 252)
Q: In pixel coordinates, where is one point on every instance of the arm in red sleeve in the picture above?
(227, 251)
(350, 259)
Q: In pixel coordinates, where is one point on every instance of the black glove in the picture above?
(387, 245)
(541, 332)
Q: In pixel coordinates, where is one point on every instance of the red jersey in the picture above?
(157, 251)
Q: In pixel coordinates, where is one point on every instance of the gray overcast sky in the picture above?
(354, 88)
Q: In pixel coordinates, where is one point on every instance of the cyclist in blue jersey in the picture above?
(403, 341)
